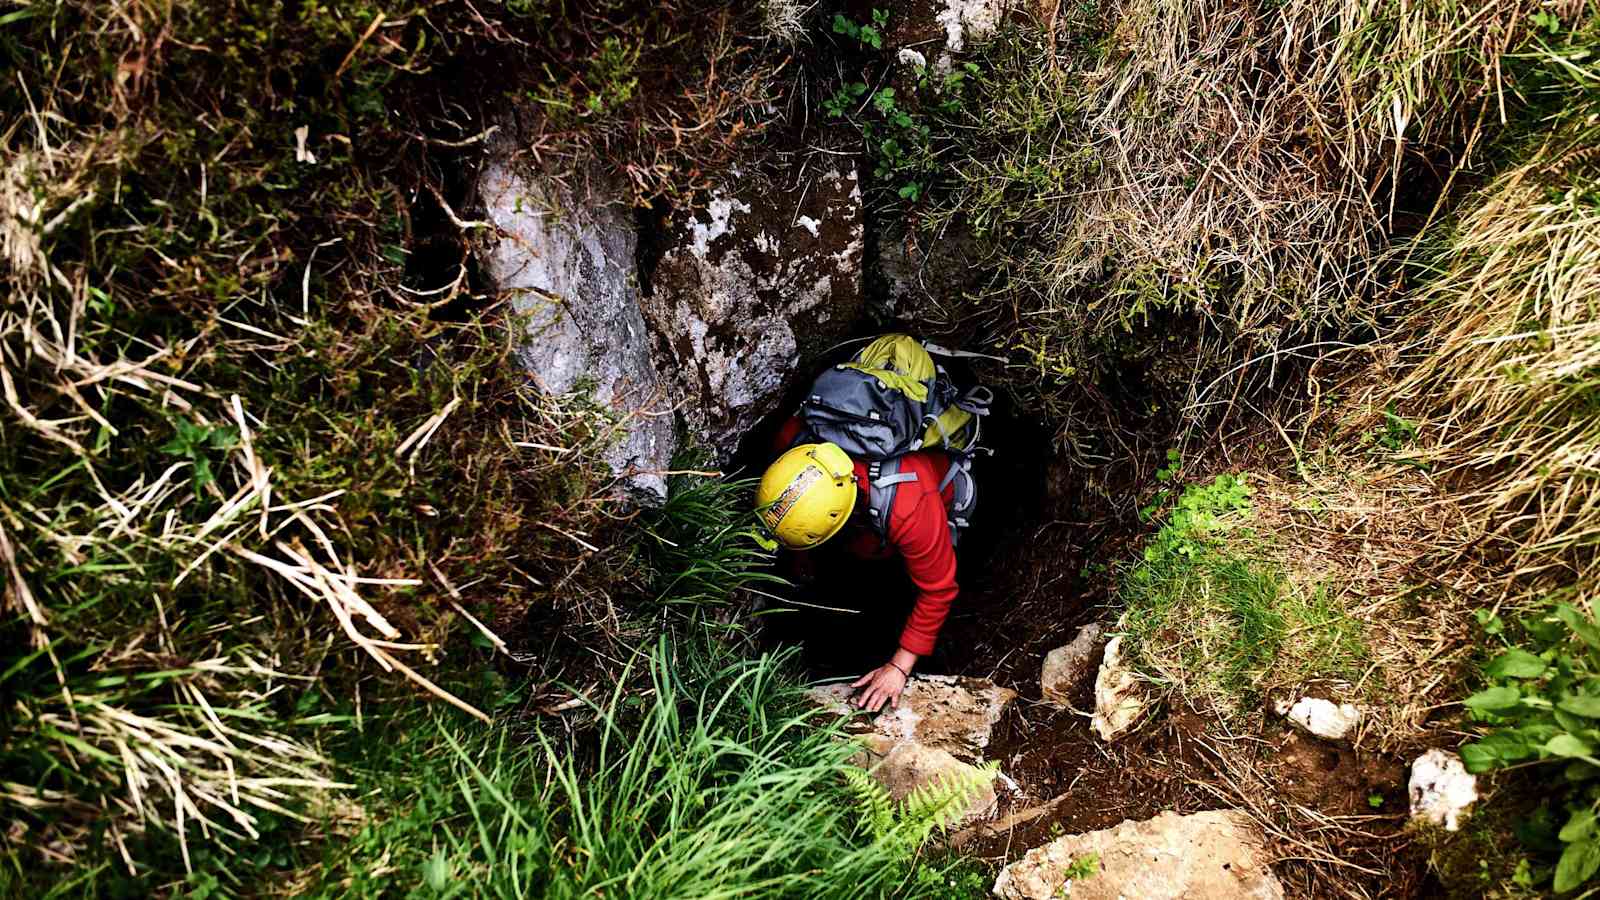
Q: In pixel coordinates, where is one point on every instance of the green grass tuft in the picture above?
(1210, 614)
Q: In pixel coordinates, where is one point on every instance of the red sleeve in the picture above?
(786, 436)
(922, 536)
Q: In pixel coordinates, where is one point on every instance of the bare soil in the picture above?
(1334, 814)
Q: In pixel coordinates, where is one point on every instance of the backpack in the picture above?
(891, 399)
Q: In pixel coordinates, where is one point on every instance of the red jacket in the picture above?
(919, 532)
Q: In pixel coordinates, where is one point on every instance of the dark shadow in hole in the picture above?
(870, 600)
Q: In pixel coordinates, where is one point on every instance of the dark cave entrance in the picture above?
(845, 613)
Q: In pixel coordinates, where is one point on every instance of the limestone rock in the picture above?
(907, 767)
(751, 288)
(1441, 789)
(938, 732)
(1065, 666)
(568, 264)
(956, 715)
(970, 20)
(1323, 718)
(1118, 695)
(1215, 855)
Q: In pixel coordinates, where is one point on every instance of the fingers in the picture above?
(863, 679)
(875, 698)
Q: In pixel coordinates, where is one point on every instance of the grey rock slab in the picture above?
(568, 265)
(752, 287)
(1064, 667)
(956, 715)
(1218, 855)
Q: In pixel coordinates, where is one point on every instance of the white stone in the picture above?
(1118, 694)
(969, 19)
(910, 57)
(568, 264)
(1320, 717)
(1217, 855)
(1065, 666)
(1441, 789)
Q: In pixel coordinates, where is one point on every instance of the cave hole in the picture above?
(868, 600)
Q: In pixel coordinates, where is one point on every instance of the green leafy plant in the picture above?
(1543, 707)
(869, 34)
(1081, 867)
(195, 443)
(900, 130)
(1198, 513)
(929, 808)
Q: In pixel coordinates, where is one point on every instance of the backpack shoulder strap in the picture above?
(883, 483)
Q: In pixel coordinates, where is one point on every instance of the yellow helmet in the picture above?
(807, 495)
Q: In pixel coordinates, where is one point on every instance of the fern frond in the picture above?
(942, 802)
(877, 807)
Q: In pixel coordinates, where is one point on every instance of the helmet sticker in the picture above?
(791, 495)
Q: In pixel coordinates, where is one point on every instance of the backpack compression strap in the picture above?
(884, 480)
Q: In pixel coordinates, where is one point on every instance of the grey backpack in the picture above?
(891, 399)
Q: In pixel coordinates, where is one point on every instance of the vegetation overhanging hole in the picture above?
(308, 586)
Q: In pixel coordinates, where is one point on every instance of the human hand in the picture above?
(882, 685)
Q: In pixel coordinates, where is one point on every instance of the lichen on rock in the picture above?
(750, 287)
(566, 262)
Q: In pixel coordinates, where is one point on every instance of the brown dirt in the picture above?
(1313, 798)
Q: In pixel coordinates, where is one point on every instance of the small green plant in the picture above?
(612, 77)
(870, 35)
(1543, 707)
(1081, 867)
(1546, 21)
(1397, 432)
(1199, 512)
(195, 443)
(1169, 471)
(1375, 801)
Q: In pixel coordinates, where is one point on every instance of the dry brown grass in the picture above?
(1368, 536)
(1507, 346)
(1180, 187)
